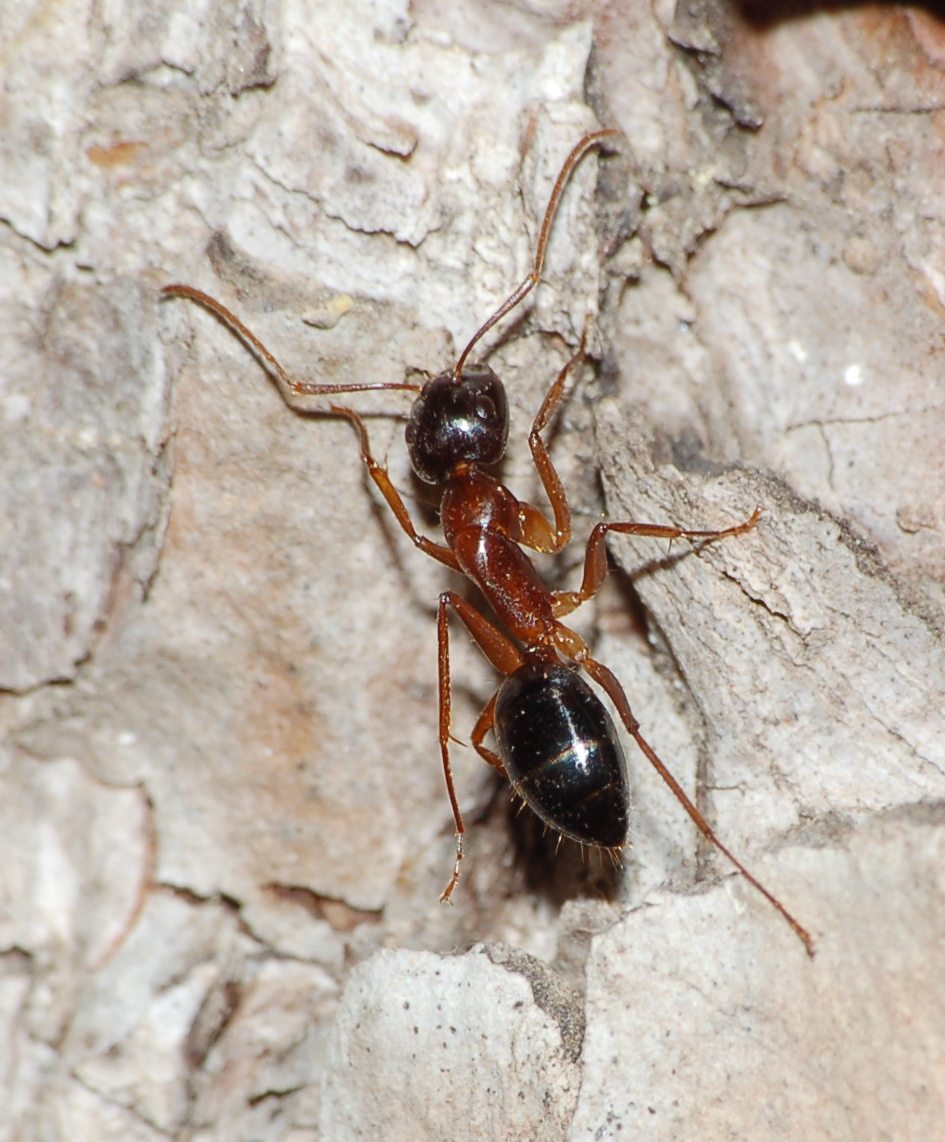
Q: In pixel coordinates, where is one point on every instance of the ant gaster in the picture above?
(555, 741)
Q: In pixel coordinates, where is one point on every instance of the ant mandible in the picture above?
(556, 743)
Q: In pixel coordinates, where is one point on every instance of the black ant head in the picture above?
(457, 421)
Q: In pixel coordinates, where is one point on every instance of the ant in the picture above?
(555, 741)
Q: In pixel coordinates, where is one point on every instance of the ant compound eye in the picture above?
(458, 422)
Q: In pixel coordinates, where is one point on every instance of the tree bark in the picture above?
(224, 827)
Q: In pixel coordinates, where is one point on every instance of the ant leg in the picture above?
(536, 532)
(607, 680)
(505, 657)
(393, 498)
(484, 723)
(268, 360)
(595, 558)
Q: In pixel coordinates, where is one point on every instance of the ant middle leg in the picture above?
(595, 557)
(506, 658)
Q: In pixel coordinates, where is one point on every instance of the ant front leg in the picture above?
(506, 658)
(537, 532)
(385, 485)
(595, 557)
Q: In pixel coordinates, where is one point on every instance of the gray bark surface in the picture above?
(223, 828)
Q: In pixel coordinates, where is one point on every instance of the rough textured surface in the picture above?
(506, 1069)
(223, 829)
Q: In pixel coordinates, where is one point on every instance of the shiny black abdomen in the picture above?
(562, 753)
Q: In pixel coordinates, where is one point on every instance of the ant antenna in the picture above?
(578, 153)
(267, 359)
